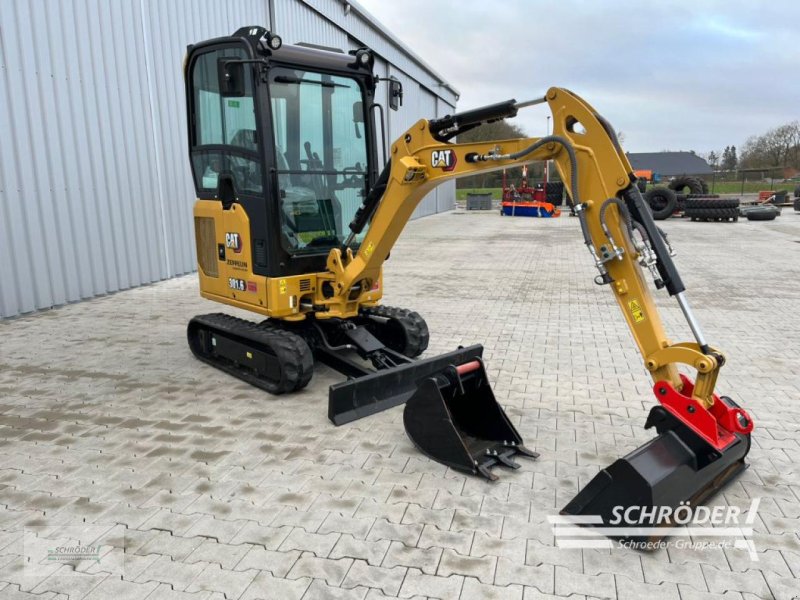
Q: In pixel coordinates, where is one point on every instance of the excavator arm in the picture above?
(702, 438)
(618, 230)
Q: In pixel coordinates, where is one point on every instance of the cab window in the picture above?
(321, 156)
(224, 133)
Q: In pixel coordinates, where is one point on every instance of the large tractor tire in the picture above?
(797, 204)
(662, 202)
(763, 213)
(797, 192)
(702, 195)
(687, 185)
(693, 202)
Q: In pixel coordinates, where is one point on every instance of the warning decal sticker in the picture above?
(636, 311)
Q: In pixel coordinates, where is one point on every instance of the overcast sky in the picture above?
(679, 75)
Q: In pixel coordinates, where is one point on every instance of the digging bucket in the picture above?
(454, 418)
(634, 498)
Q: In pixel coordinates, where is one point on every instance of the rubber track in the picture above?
(415, 327)
(293, 354)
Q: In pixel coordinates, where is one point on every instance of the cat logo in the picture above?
(443, 159)
(233, 241)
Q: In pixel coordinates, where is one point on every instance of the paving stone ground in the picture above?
(194, 486)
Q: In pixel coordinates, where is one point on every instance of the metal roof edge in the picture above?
(380, 27)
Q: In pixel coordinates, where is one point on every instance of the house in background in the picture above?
(670, 164)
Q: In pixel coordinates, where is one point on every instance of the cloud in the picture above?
(672, 74)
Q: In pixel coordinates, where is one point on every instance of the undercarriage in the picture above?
(376, 351)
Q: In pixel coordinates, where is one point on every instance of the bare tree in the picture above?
(778, 147)
(729, 159)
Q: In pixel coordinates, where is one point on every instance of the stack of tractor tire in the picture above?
(554, 192)
(666, 201)
(689, 195)
(710, 207)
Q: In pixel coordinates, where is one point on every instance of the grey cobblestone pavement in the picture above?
(194, 486)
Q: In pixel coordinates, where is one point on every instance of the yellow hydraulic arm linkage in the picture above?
(700, 433)
(420, 162)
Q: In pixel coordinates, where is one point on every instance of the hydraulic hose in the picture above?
(604, 277)
(610, 131)
(642, 231)
(630, 224)
(640, 213)
(623, 212)
(370, 204)
(573, 163)
(564, 143)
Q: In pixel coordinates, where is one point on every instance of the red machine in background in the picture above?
(526, 201)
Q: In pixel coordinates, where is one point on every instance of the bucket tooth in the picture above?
(454, 418)
(525, 452)
(484, 471)
(505, 460)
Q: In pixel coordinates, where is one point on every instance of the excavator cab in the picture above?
(284, 132)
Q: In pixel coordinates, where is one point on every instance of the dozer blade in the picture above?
(637, 494)
(454, 418)
(369, 394)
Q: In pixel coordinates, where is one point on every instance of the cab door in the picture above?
(227, 165)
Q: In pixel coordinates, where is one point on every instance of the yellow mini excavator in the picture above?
(295, 218)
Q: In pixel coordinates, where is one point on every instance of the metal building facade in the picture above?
(95, 189)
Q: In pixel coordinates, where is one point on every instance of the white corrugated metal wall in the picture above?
(95, 189)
